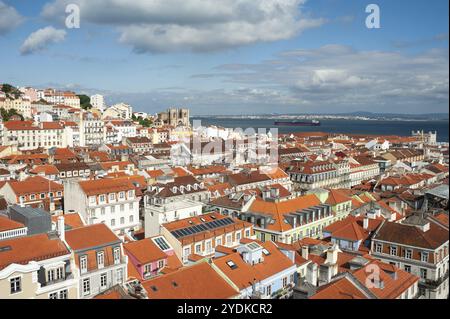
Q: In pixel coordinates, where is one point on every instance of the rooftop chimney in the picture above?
(366, 223)
(61, 228)
(305, 252)
(332, 255)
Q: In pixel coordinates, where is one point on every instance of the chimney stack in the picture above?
(332, 255)
(61, 228)
(305, 252)
(366, 223)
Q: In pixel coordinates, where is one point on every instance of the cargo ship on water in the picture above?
(297, 123)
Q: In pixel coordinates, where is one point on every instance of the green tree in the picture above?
(85, 102)
(6, 115)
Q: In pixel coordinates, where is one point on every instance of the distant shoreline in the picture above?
(319, 117)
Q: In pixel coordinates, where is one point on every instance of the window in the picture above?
(42, 196)
(269, 290)
(147, 268)
(218, 241)
(86, 286)
(103, 280)
(112, 196)
(113, 209)
(423, 273)
(113, 222)
(51, 275)
(238, 236)
(100, 259)
(424, 257)
(198, 248)
(408, 254)
(285, 281)
(122, 220)
(131, 206)
(160, 264)
(408, 268)
(379, 248)
(122, 195)
(247, 233)
(16, 285)
(116, 255)
(130, 194)
(131, 219)
(273, 238)
(83, 263)
(393, 250)
(122, 207)
(102, 210)
(92, 200)
(53, 295)
(228, 239)
(119, 275)
(102, 198)
(59, 273)
(63, 294)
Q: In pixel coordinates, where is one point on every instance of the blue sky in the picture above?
(244, 56)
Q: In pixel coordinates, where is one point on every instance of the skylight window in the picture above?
(266, 252)
(231, 264)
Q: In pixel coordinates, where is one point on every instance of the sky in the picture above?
(234, 56)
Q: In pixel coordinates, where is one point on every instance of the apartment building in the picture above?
(22, 105)
(37, 267)
(362, 169)
(259, 270)
(418, 246)
(113, 201)
(283, 221)
(92, 130)
(197, 237)
(156, 214)
(27, 135)
(151, 257)
(99, 259)
(139, 145)
(35, 191)
(320, 174)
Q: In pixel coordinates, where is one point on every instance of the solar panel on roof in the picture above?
(162, 243)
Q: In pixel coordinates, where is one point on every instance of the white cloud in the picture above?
(41, 39)
(9, 18)
(339, 77)
(195, 25)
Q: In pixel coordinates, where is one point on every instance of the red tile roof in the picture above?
(31, 248)
(91, 236)
(200, 281)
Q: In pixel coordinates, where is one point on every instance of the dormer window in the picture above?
(83, 264)
(408, 254)
(393, 251)
(112, 196)
(121, 195)
(116, 255)
(174, 190)
(424, 257)
(100, 259)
